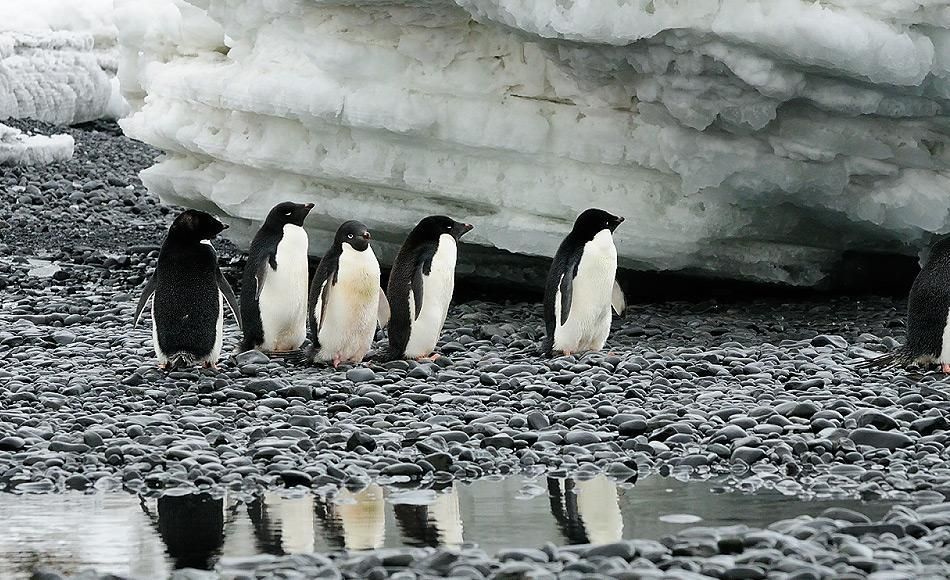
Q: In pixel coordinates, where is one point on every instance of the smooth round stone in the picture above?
(360, 375)
(880, 439)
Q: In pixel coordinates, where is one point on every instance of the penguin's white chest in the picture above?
(437, 289)
(349, 322)
(588, 321)
(283, 299)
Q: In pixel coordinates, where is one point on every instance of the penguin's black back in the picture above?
(416, 252)
(929, 303)
(566, 260)
(187, 301)
(262, 253)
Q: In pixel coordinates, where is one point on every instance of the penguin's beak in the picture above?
(366, 236)
(224, 227)
(309, 206)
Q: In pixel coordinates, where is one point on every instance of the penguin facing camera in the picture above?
(346, 301)
(189, 293)
(581, 286)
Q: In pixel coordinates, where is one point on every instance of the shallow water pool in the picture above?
(125, 534)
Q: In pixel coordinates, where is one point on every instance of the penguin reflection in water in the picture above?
(274, 289)
(420, 287)
(346, 301)
(928, 317)
(581, 286)
(189, 293)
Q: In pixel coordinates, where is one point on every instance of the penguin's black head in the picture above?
(593, 221)
(195, 225)
(353, 233)
(288, 212)
(432, 227)
(938, 252)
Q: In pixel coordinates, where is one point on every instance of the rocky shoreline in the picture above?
(762, 390)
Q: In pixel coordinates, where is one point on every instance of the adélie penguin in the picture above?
(928, 316)
(189, 294)
(581, 286)
(346, 301)
(420, 286)
(274, 288)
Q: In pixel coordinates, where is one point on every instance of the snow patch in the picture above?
(18, 148)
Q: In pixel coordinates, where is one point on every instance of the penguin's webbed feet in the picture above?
(945, 368)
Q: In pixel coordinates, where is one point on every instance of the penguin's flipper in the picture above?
(617, 299)
(383, 312)
(146, 294)
(320, 307)
(260, 274)
(416, 291)
(229, 297)
(565, 290)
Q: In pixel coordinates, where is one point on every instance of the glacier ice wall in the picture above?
(58, 61)
(752, 139)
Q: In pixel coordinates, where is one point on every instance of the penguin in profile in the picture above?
(928, 324)
(346, 301)
(189, 293)
(274, 288)
(420, 287)
(581, 286)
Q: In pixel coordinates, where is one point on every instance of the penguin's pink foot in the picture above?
(210, 365)
(336, 360)
(431, 358)
(945, 368)
(163, 366)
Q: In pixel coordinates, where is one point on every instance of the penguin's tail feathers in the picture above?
(300, 357)
(898, 358)
(182, 360)
(385, 354)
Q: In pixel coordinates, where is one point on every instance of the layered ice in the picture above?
(752, 139)
(18, 148)
(58, 60)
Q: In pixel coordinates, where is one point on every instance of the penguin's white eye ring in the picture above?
(449, 228)
(349, 236)
(288, 213)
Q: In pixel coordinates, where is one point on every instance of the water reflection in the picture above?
(121, 534)
(586, 511)
(191, 527)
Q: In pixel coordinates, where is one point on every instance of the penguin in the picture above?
(189, 294)
(274, 287)
(346, 300)
(581, 286)
(420, 286)
(928, 317)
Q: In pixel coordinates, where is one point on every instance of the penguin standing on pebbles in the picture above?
(274, 289)
(581, 286)
(420, 286)
(346, 301)
(189, 293)
(928, 316)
